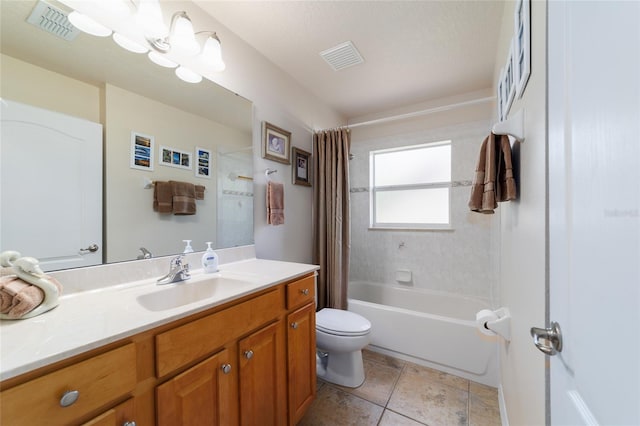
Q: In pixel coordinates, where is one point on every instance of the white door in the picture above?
(594, 210)
(50, 186)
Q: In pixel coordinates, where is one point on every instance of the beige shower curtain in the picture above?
(331, 213)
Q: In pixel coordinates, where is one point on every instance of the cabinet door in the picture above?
(301, 354)
(263, 377)
(202, 395)
(117, 416)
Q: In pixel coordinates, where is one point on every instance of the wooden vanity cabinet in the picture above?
(301, 347)
(249, 362)
(202, 395)
(263, 399)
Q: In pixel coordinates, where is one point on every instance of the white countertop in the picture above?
(90, 319)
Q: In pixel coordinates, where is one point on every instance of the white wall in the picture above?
(523, 237)
(461, 261)
(280, 100)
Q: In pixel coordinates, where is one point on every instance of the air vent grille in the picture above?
(52, 20)
(342, 56)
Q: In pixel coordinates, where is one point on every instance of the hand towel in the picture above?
(494, 180)
(184, 198)
(506, 184)
(162, 197)
(18, 298)
(200, 192)
(275, 203)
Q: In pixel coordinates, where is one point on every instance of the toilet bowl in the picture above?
(340, 338)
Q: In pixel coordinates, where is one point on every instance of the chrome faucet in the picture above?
(146, 254)
(178, 272)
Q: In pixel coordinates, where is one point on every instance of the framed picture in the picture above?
(173, 157)
(522, 47)
(301, 169)
(204, 166)
(141, 151)
(275, 143)
(500, 94)
(508, 83)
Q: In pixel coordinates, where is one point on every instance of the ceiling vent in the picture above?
(342, 56)
(52, 20)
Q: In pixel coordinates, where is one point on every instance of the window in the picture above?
(410, 186)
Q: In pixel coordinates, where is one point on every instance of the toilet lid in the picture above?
(343, 323)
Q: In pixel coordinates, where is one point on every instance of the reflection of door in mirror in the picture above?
(50, 186)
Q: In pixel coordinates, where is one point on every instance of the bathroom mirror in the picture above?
(132, 95)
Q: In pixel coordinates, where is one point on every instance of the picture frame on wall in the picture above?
(301, 170)
(522, 45)
(204, 166)
(500, 94)
(276, 143)
(174, 157)
(142, 147)
(508, 82)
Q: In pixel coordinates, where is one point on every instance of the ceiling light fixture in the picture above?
(147, 32)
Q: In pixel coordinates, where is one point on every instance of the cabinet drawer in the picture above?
(301, 292)
(185, 344)
(98, 380)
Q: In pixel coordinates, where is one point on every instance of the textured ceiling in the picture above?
(414, 51)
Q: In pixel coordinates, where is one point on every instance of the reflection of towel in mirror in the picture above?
(275, 203)
(18, 297)
(184, 198)
(162, 197)
(200, 192)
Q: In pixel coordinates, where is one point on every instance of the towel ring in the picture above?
(269, 172)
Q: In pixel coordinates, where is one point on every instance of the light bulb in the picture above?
(182, 38)
(149, 17)
(88, 25)
(211, 54)
(185, 74)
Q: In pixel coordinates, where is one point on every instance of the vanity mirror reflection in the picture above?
(94, 79)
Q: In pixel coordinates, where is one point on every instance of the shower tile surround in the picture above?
(397, 393)
(462, 260)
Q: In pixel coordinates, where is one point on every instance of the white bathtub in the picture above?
(429, 328)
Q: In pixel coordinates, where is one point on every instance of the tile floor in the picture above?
(398, 393)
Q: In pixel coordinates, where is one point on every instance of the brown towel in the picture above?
(18, 297)
(494, 180)
(200, 192)
(184, 198)
(506, 189)
(275, 203)
(162, 197)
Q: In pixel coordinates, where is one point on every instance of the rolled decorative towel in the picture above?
(184, 198)
(18, 298)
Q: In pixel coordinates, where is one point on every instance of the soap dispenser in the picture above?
(209, 260)
(187, 248)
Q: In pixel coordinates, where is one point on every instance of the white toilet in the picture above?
(340, 338)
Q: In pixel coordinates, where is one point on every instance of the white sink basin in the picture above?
(171, 296)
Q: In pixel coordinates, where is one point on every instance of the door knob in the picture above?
(294, 325)
(226, 368)
(248, 354)
(548, 340)
(92, 248)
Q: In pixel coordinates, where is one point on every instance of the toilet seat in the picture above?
(341, 323)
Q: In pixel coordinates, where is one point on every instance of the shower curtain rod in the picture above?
(422, 112)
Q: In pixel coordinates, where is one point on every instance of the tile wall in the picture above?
(461, 261)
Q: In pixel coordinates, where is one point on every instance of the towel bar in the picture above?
(512, 126)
